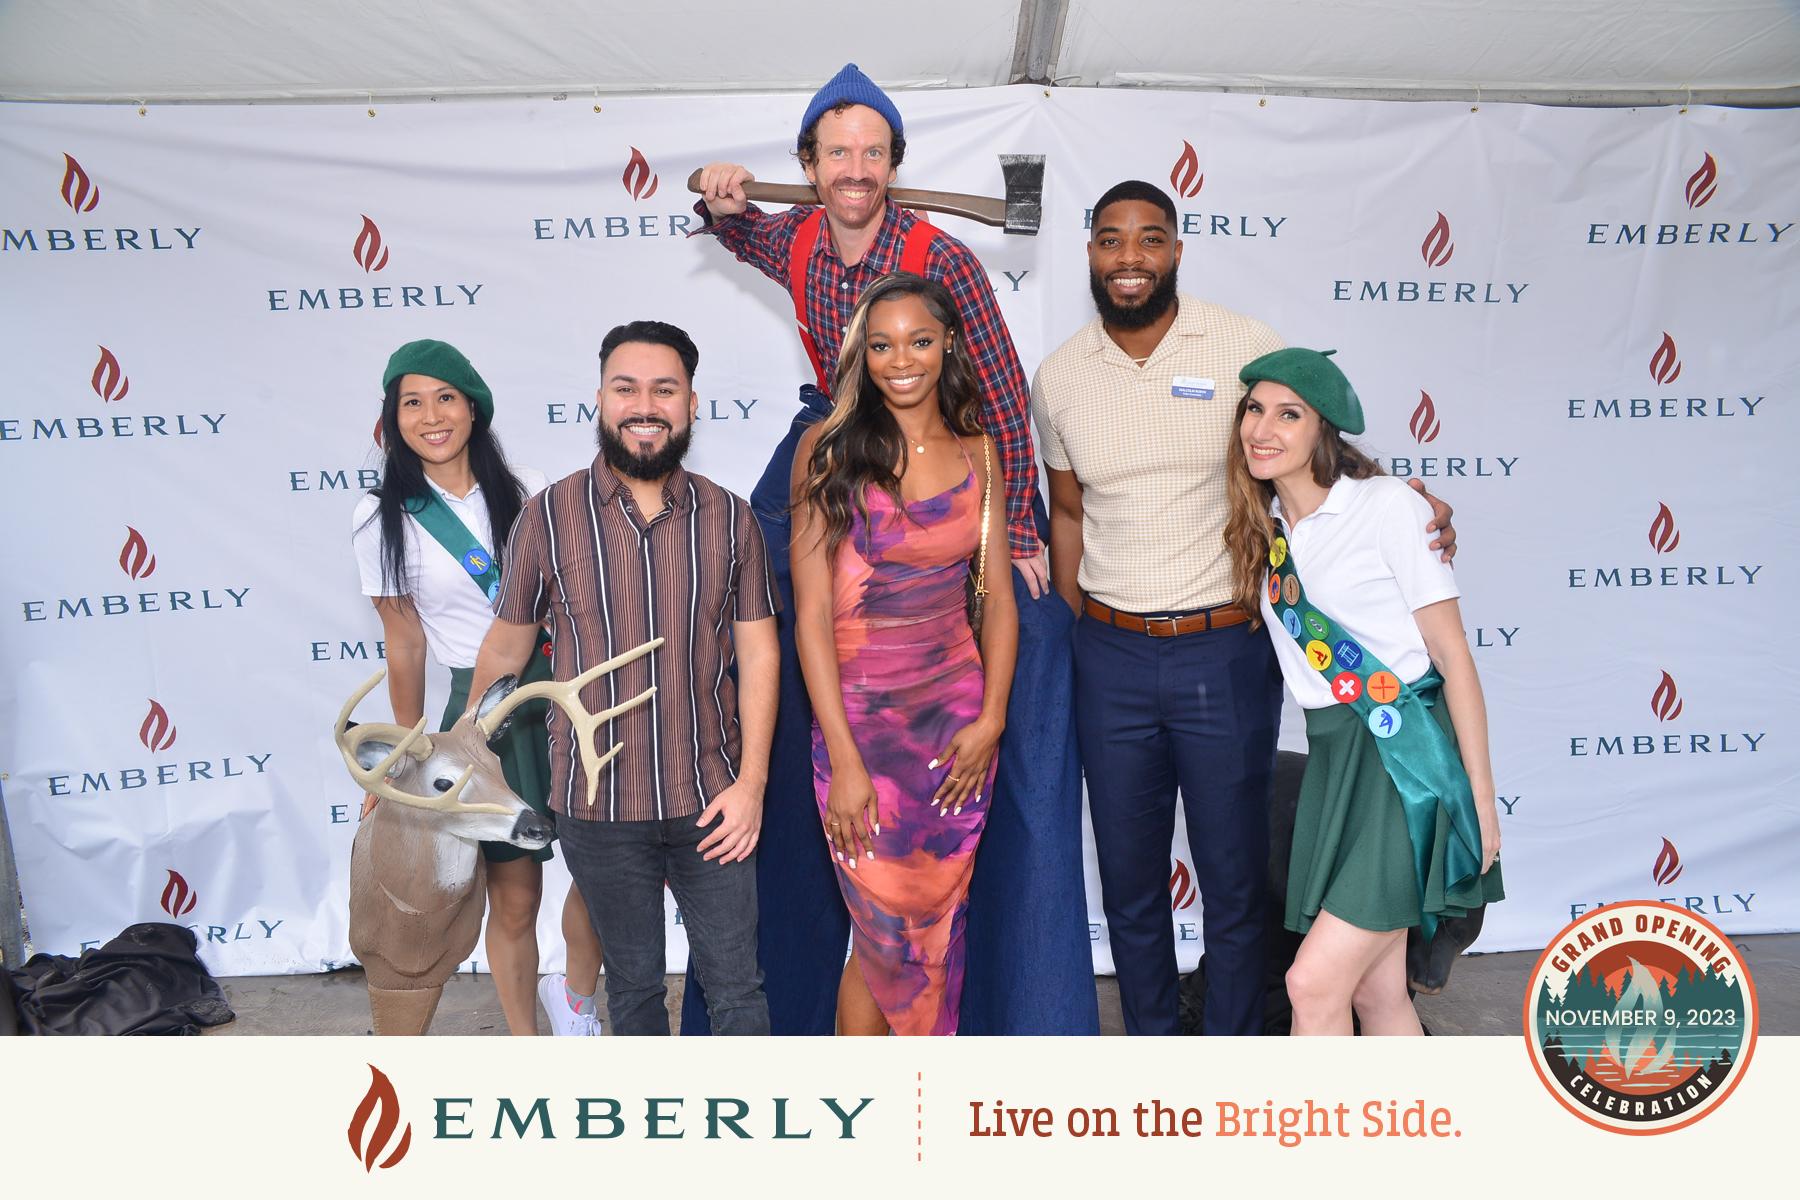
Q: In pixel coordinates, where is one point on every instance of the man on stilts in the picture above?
(1029, 966)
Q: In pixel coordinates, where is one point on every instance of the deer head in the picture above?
(456, 773)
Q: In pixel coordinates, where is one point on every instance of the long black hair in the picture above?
(403, 479)
(860, 443)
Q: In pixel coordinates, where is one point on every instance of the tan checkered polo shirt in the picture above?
(1149, 452)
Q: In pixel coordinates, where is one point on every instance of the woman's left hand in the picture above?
(1488, 818)
(968, 756)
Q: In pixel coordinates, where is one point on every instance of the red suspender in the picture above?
(805, 238)
(913, 252)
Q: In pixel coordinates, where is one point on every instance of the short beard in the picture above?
(1140, 316)
(647, 467)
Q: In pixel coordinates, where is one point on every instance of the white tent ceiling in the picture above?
(1554, 51)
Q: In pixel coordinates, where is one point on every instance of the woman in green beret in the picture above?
(430, 543)
(1396, 823)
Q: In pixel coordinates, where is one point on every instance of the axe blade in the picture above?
(1024, 176)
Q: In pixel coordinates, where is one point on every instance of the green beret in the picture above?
(1315, 379)
(441, 360)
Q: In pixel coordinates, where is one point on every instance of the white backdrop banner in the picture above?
(1576, 326)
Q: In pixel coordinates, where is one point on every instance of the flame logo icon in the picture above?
(380, 1096)
(1181, 887)
(135, 558)
(1703, 183)
(1668, 865)
(1664, 366)
(1666, 702)
(1424, 424)
(370, 254)
(110, 383)
(639, 180)
(1437, 246)
(1664, 537)
(1185, 176)
(178, 899)
(157, 733)
(78, 191)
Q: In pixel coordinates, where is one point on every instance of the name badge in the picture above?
(1190, 388)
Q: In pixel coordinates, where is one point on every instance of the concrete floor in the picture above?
(1485, 996)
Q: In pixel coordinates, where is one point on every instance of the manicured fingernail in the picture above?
(853, 864)
(878, 829)
(943, 810)
(958, 811)
(840, 855)
(870, 853)
(932, 765)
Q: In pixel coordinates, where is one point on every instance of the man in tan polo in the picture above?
(1173, 688)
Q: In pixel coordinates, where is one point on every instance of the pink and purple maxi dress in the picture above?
(911, 677)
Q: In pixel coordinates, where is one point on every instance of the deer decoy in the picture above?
(418, 885)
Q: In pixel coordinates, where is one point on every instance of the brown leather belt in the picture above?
(1199, 622)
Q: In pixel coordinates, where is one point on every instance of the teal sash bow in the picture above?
(447, 529)
(1425, 768)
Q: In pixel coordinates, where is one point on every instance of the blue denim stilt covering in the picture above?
(1030, 969)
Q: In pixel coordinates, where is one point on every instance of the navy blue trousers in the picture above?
(1198, 713)
(1030, 969)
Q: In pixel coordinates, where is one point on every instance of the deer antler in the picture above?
(567, 696)
(406, 741)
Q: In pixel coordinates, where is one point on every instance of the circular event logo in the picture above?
(1640, 1018)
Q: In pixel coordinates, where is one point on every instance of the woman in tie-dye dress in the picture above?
(889, 494)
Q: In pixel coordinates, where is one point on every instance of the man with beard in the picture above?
(633, 548)
(1030, 969)
(1176, 690)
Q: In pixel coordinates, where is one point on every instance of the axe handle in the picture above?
(986, 209)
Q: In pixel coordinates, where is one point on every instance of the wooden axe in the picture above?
(1020, 212)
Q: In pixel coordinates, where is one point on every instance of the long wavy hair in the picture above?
(860, 443)
(1249, 529)
(403, 479)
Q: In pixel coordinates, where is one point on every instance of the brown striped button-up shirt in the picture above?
(582, 555)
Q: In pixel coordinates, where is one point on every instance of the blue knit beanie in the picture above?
(850, 86)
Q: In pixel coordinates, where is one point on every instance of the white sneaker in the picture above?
(564, 1021)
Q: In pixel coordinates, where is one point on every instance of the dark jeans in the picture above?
(1199, 713)
(620, 867)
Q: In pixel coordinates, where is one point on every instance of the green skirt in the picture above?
(524, 752)
(1352, 857)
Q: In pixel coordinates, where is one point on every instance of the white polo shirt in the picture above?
(1362, 557)
(453, 610)
(1148, 445)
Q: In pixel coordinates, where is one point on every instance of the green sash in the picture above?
(1425, 768)
(447, 529)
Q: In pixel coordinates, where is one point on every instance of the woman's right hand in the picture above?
(851, 813)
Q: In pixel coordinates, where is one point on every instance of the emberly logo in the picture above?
(1425, 426)
(1700, 188)
(1664, 871)
(178, 899)
(1664, 536)
(109, 382)
(640, 183)
(370, 252)
(1665, 368)
(1185, 176)
(1666, 705)
(157, 734)
(383, 1104)
(1436, 250)
(137, 562)
(82, 195)
(710, 410)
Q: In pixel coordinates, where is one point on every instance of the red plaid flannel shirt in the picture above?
(765, 240)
